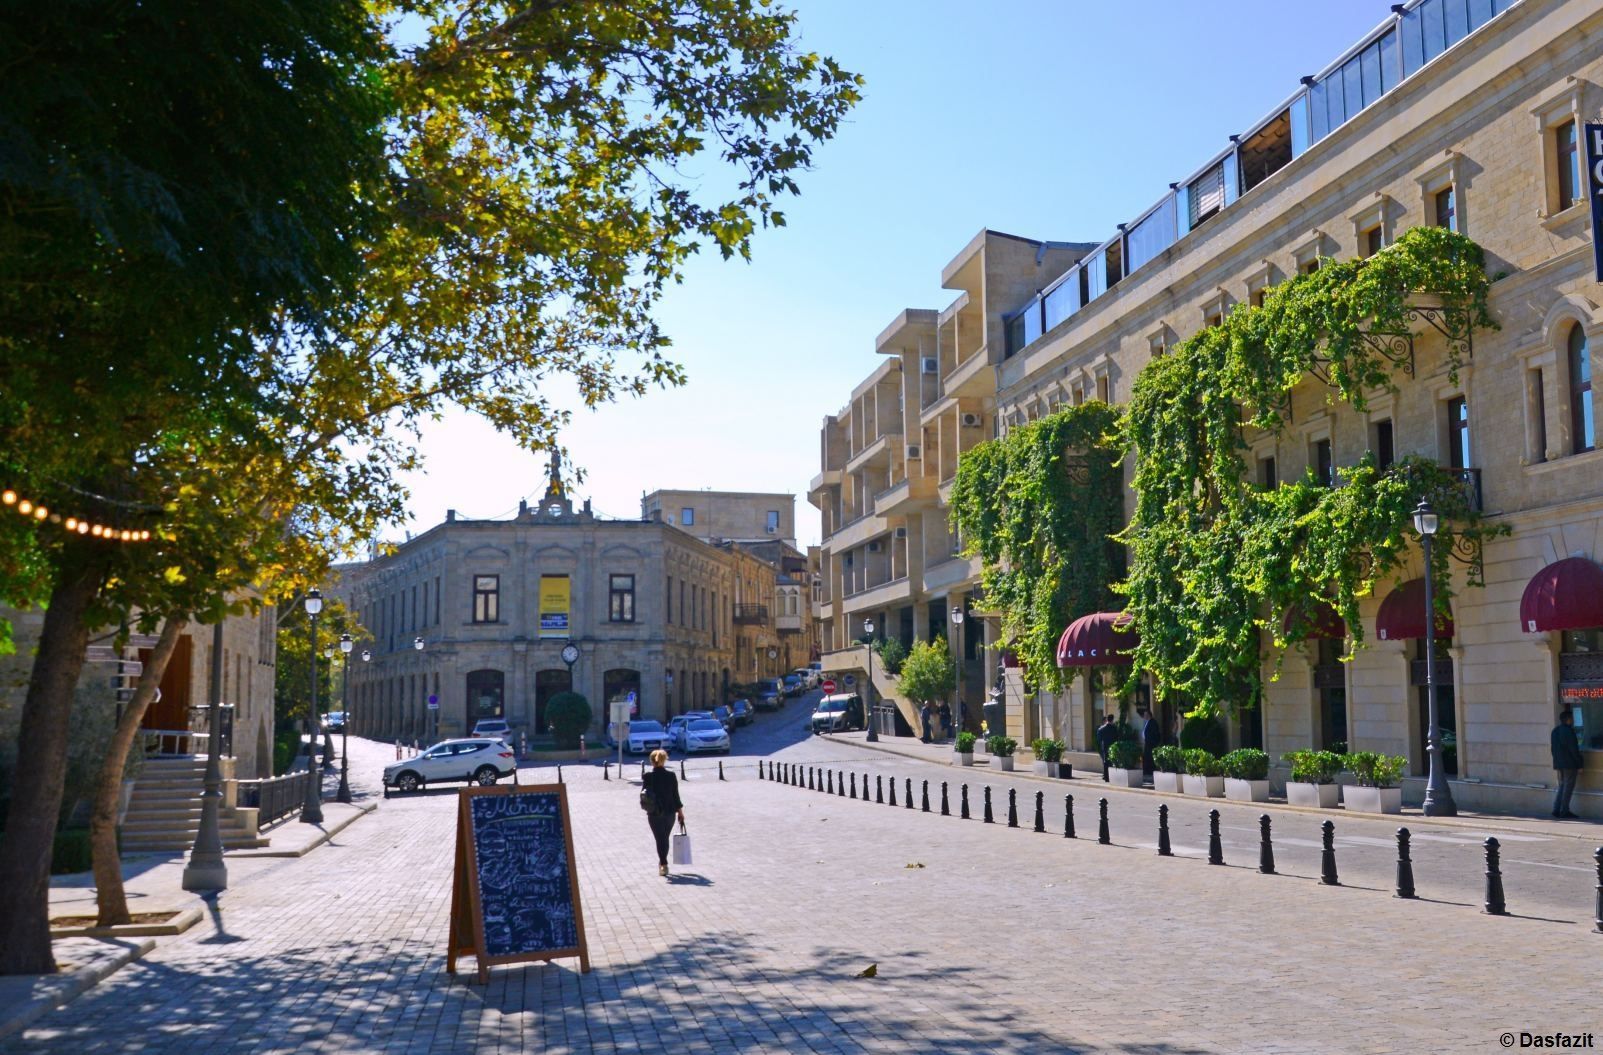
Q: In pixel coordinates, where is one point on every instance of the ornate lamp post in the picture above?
(206, 869)
(418, 644)
(328, 737)
(957, 651)
(344, 793)
(367, 657)
(873, 733)
(1438, 795)
(312, 810)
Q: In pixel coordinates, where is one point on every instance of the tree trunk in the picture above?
(41, 772)
(109, 897)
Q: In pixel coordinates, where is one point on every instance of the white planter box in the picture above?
(1038, 768)
(1211, 787)
(1372, 800)
(1246, 790)
(1324, 796)
(1125, 778)
(1162, 781)
(1004, 763)
(1055, 770)
(963, 758)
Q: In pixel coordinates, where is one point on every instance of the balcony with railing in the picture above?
(751, 615)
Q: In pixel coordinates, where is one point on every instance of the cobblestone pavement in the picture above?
(986, 939)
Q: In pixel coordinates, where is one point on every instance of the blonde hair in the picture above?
(659, 758)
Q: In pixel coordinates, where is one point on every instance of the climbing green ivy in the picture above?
(1213, 560)
(1039, 506)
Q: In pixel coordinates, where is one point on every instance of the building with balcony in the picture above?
(1465, 114)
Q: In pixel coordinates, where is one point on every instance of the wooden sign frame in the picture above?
(466, 937)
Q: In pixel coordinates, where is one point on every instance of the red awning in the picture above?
(1097, 640)
(1321, 618)
(1402, 614)
(1565, 595)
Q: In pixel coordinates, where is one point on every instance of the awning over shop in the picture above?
(1402, 614)
(1321, 618)
(1565, 595)
(1097, 640)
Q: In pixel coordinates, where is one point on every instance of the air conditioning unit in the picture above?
(874, 547)
(929, 365)
(971, 421)
(901, 532)
(914, 451)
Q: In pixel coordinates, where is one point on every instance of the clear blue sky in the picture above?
(1043, 119)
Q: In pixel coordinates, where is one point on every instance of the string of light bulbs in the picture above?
(77, 525)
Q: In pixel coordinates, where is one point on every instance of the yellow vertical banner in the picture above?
(555, 599)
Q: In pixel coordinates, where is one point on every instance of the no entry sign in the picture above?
(828, 685)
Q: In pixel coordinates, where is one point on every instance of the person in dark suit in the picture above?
(662, 787)
(1106, 735)
(1567, 760)
(926, 718)
(1151, 737)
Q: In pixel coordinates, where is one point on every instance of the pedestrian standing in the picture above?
(659, 797)
(1107, 733)
(1151, 737)
(963, 716)
(946, 720)
(1567, 760)
(926, 715)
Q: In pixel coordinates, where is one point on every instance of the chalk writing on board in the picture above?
(523, 880)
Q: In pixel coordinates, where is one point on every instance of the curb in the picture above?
(181, 922)
(362, 810)
(76, 984)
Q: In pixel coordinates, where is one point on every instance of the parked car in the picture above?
(677, 723)
(646, 735)
(769, 700)
(838, 713)
(479, 759)
(334, 721)
(703, 734)
(793, 685)
(745, 714)
(495, 728)
(725, 715)
(808, 676)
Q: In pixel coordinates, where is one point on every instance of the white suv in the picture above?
(495, 728)
(481, 761)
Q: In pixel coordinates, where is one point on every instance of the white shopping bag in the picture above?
(679, 848)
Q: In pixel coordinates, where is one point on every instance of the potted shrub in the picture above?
(1313, 775)
(1169, 761)
(1124, 764)
(1049, 759)
(963, 748)
(1246, 775)
(1203, 774)
(1002, 747)
(1377, 790)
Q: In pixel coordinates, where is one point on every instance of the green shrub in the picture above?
(1048, 750)
(965, 743)
(892, 654)
(1246, 763)
(1201, 763)
(1206, 734)
(1375, 770)
(70, 853)
(1169, 759)
(1125, 754)
(1001, 745)
(1313, 767)
(570, 715)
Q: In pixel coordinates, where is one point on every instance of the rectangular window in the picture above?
(773, 521)
(669, 604)
(436, 600)
(682, 620)
(1015, 334)
(687, 517)
(1413, 43)
(416, 621)
(1434, 29)
(621, 599)
(1374, 240)
(1309, 266)
(1445, 209)
(1583, 425)
(1324, 464)
(1207, 195)
(1458, 433)
(486, 598)
(1569, 165)
(1268, 474)
(1385, 452)
(425, 609)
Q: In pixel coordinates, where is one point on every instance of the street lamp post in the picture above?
(957, 650)
(344, 793)
(1438, 795)
(328, 737)
(418, 644)
(206, 869)
(873, 733)
(312, 810)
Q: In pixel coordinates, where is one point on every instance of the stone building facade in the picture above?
(722, 515)
(1458, 113)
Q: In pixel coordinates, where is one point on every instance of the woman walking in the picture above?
(660, 794)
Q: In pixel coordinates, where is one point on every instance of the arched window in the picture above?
(1583, 424)
(486, 695)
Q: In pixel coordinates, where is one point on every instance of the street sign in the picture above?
(434, 702)
(828, 685)
(620, 711)
(850, 680)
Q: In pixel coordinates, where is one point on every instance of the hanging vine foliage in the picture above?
(1213, 560)
(1039, 506)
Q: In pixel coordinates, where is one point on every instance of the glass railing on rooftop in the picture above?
(1416, 33)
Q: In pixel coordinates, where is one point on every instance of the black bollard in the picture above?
(759, 769)
(946, 809)
(1327, 859)
(879, 789)
(682, 770)
(1040, 811)
(907, 800)
(853, 794)
(1216, 849)
(986, 817)
(963, 804)
(809, 778)
(1164, 849)
(924, 797)
(893, 791)
(1405, 866)
(1597, 911)
(1266, 848)
(840, 784)
(1068, 816)
(1012, 808)
(1494, 882)
(829, 782)
(604, 766)
(1102, 835)
(721, 769)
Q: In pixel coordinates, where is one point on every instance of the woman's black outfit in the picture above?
(664, 789)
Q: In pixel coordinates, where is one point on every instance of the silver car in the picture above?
(478, 760)
(703, 734)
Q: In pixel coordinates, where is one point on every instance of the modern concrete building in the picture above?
(1459, 113)
(719, 516)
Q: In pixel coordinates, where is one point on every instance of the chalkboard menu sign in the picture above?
(515, 896)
